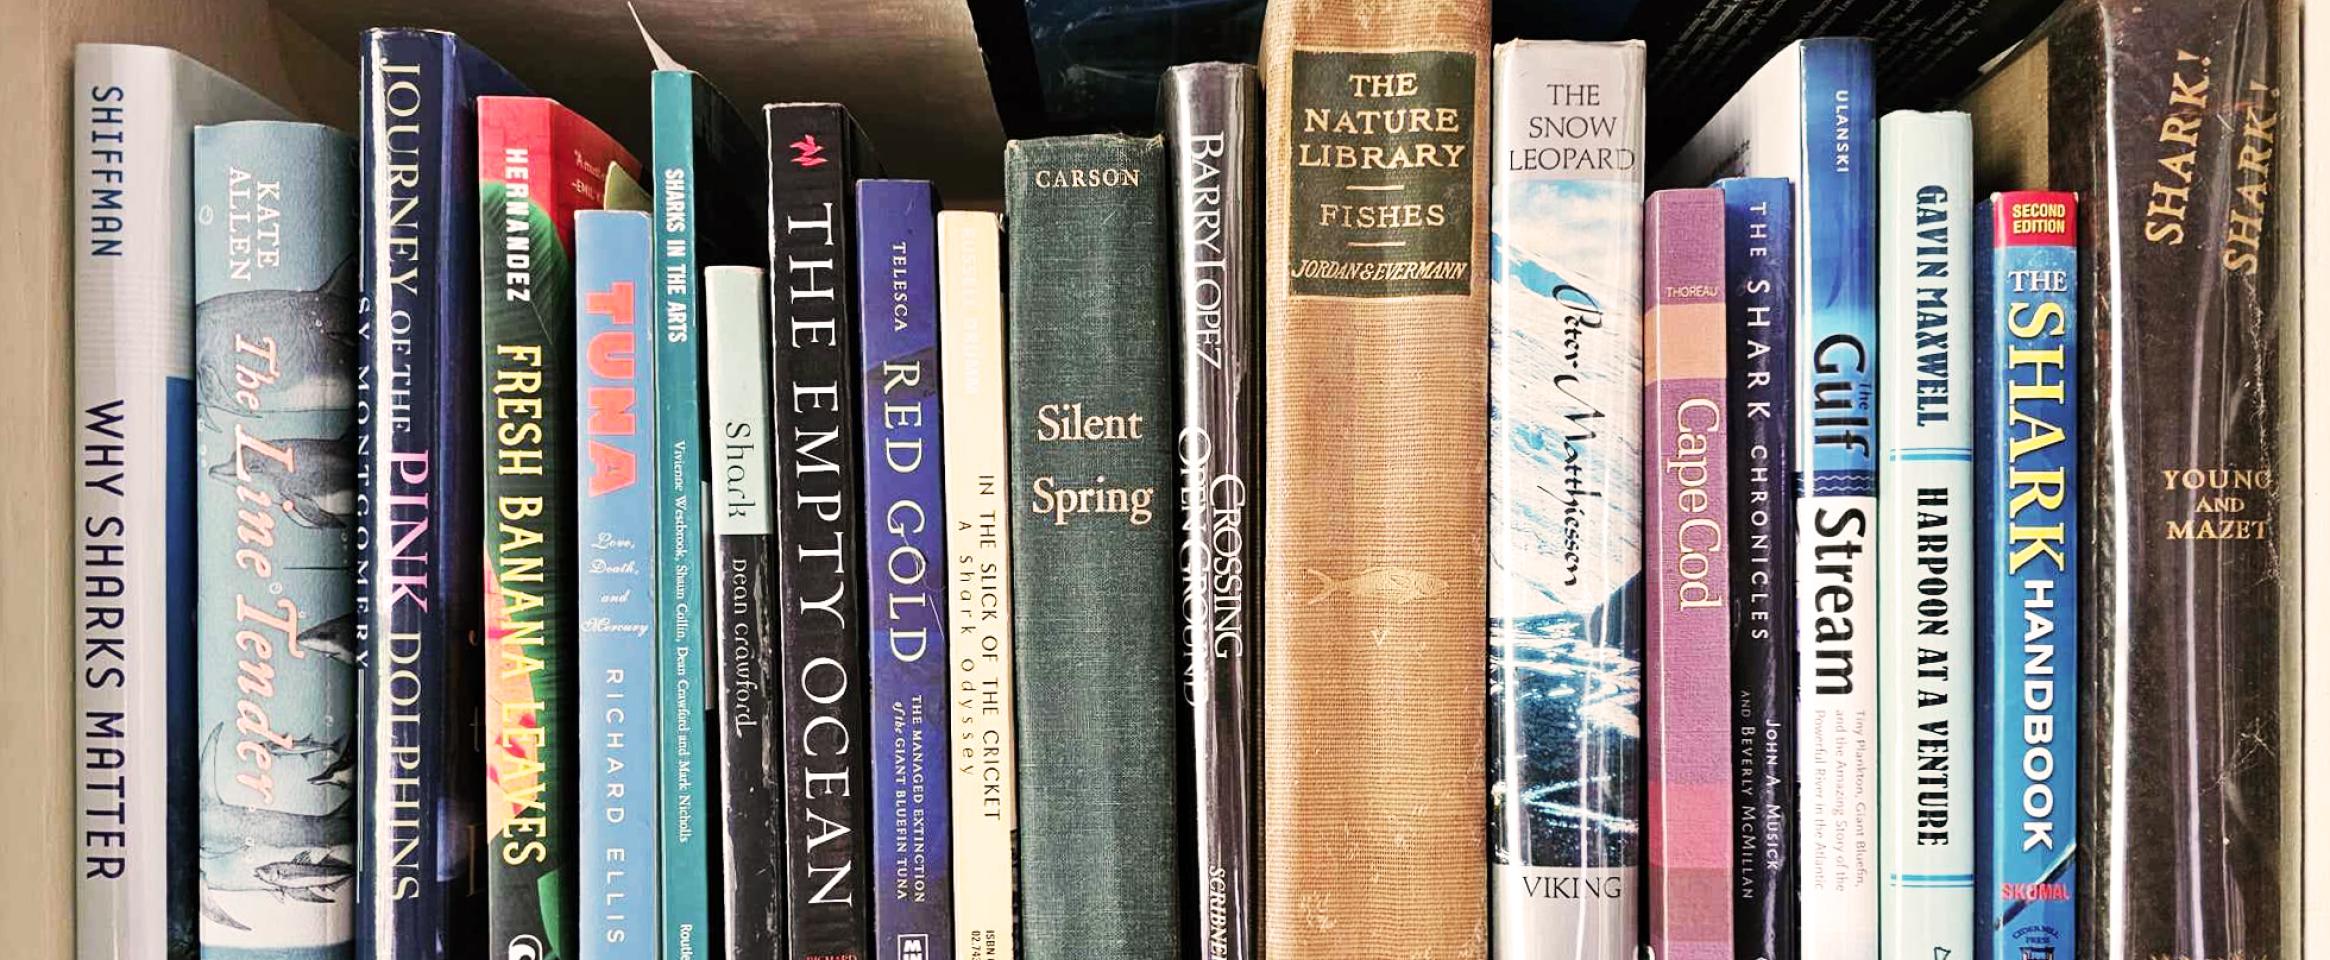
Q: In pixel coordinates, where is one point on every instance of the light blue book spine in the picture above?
(680, 535)
(275, 375)
(1925, 524)
(1565, 499)
(617, 508)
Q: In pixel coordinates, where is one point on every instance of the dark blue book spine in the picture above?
(1759, 255)
(2026, 597)
(906, 570)
(420, 691)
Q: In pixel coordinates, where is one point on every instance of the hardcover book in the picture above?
(2170, 120)
(1213, 142)
(135, 397)
(1566, 500)
(1092, 541)
(984, 756)
(616, 506)
(1374, 463)
(744, 543)
(906, 569)
(1688, 621)
(275, 368)
(537, 164)
(1806, 116)
(1758, 256)
(2026, 459)
(815, 155)
(418, 563)
(711, 193)
(1925, 529)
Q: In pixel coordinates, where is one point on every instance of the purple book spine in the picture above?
(1686, 532)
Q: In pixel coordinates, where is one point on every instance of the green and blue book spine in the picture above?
(2027, 352)
(538, 163)
(615, 584)
(1925, 529)
(710, 208)
(906, 568)
(1809, 115)
(420, 779)
(275, 361)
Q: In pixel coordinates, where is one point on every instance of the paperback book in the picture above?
(275, 369)
(134, 397)
(616, 507)
(418, 562)
(1925, 529)
(905, 517)
(538, 163)
(1807, 116)
(1566, 499)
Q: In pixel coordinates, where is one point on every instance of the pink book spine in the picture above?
(1686, 546)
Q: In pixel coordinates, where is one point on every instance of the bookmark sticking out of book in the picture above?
(663, 58)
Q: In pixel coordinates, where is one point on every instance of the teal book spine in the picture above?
(275, 365)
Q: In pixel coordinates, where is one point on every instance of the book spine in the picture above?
(1836, 453)
(1758, 253)
(813, 376)
(1687, 624)
(275, 313)
(2026, 455)
(1925, 578)
(906, 688)
(134, 552)
(1375, 452)
(979, 614)
(417, 500)
(686, 866)
(1566, 500)
(1093, 579)
(523, 267)
(1213, 134)
(743, 606)
(616, 506)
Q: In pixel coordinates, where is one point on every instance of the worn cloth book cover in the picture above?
(1565, 499)
(1213, 142)
(905, 460)
(1093, 551)
(275, 364)
(984, 756)
(703, 148)
(537, 164)
(418, 498)
(616, 505)
(2172, 122)
(1925, 529)
(816, 153)
(1808, 116)
(135, 399)
(1687, 621)
(742, 583)
(1374, 679)
(1758, 254)
(2026, 462)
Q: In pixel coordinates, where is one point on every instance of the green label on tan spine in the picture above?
(1382, 174)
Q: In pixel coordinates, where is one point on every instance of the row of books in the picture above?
(494, 542)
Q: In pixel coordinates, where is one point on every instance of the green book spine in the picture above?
(1093, 545)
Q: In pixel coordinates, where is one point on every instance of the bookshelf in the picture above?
(910, 69)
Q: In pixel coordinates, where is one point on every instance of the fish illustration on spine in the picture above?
(1385, 584)
(311, 369)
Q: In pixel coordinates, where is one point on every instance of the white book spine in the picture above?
(978, 511)
(1565, 500)
(1925, 524)
(134, 110)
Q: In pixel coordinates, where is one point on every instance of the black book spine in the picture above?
(814, 162)
(1212, 125)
